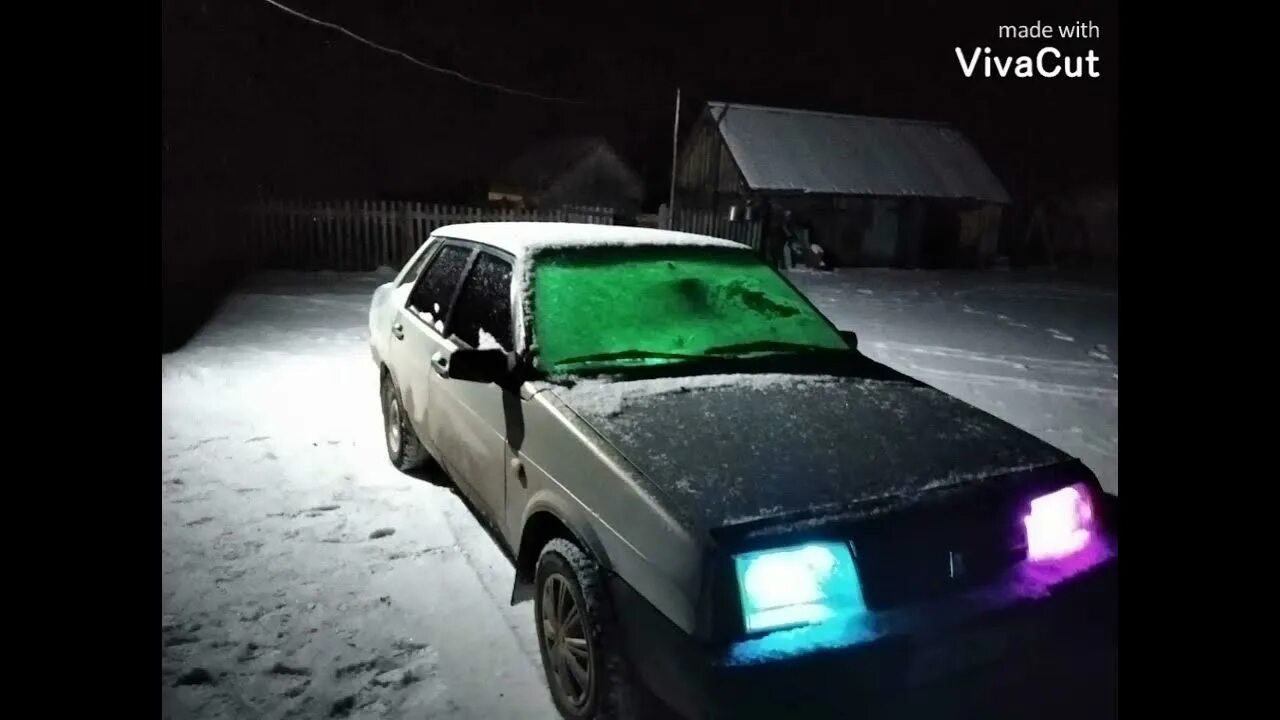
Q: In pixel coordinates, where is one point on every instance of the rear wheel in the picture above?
(403, 447)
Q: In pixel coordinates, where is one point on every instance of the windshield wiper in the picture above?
(630, 355)
(768, 345)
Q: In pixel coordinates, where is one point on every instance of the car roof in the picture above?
(519, 238)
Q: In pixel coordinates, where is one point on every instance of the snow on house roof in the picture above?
(520, 238)
(788, 150)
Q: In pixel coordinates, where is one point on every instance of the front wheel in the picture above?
(403, 447)
(588, 676)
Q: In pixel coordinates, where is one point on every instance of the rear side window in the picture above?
(483, 316)
(416, 268)
(430, 298)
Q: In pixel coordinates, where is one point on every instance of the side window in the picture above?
(483, 316)
(416, 268)
(430, 298)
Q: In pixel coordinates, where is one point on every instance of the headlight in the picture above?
(798, 585)
(1059, 524)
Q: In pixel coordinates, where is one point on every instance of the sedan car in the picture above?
(712, 497)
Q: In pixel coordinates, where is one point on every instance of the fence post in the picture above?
(313, 235)
(419, 236)
(330, 259)
(395, 228)
(286, 223)
(315, 247)
(351, 245)
(300, 227)
(360, 251)
(346, 248)
(342, 251)
(317, 223)
(339, 251)
(276, 225)
(302, 232)
(364, 258)
(371, 230)
(379, 218)
(269, 237)
(402, 226)
(370, 251)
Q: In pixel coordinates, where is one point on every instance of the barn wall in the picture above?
(883, 236)
(707, 177)
(897, 232)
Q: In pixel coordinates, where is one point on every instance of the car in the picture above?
(717, 503)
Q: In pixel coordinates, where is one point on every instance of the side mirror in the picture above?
(482, 366)
(850, 338)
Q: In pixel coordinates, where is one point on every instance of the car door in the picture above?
(475, 438)
(418, 336)
(388, 299)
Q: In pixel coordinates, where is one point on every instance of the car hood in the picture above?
(726, 450)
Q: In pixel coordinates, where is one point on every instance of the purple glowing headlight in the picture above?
(1059, 524)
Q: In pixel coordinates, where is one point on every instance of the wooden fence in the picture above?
(366, 235)
(704, 222)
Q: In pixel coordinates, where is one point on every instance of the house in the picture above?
(569, 172)
(867, 190)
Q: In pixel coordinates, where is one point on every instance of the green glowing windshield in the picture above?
(626, 306)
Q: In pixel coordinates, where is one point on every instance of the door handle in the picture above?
(398, 331)
(440, 364)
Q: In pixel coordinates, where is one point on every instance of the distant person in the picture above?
(776, 241)
(804, 248)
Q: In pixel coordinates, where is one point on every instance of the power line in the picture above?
(420, 63)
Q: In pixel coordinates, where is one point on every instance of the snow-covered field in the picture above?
(1033, 349)
(304, 577)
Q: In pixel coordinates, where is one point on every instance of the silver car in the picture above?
(712, 497)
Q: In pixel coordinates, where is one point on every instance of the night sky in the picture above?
(257, 101)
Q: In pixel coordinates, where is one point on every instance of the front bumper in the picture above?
(1029, 645)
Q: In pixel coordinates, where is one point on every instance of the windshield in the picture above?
(628, 306)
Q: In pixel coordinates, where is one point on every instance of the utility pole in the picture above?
(675, 139)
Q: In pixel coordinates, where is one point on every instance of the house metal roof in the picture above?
(804, 151)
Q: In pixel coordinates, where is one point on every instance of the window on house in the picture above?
(483, 317)
(431, 296)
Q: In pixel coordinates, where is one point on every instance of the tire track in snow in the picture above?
(1029, 291)
(1019, 362)
(1075, 391)
(1027, 372)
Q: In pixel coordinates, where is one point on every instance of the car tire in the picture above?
(403, 447)
(563, 572)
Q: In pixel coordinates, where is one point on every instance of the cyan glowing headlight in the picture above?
(798, 585)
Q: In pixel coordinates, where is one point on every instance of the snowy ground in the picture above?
(304, 577)
(1038, 351)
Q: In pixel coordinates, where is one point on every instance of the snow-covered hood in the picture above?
(731, 449)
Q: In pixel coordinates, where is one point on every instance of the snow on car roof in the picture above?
(520, 238)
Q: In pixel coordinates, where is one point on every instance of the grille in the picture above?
(928, 552)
